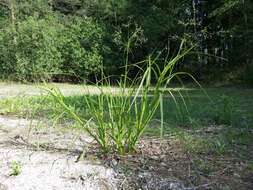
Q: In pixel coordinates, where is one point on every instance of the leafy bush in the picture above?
(30, 51)
(7, 53)
(44, 49)
(81, 48)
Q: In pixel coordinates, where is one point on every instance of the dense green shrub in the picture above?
(7, 53)
(45, 49)
(81, 48)
(30, 51)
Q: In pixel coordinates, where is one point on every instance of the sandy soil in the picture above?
(46, 159)
(8, 90)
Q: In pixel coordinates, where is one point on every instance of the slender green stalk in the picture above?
(161, 113)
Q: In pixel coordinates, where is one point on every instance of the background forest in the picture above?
(71, 40)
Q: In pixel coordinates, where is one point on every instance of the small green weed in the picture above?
(224, 110)
(15, 168)
(250, 166)
(218, 146)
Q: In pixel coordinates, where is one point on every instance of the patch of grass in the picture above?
(234, 107)
(250, 166)
(41, 106)
(224, 106)
(201, 110)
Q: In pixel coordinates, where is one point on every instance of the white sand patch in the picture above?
(42, 170)
(48, 170)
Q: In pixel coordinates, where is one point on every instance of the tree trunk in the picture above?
(13, 18)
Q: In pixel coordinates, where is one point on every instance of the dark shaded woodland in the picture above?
(71, 40)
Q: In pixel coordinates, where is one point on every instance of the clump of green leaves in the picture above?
(15, 168)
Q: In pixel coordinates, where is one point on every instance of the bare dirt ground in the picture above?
(8, 90)
(47, 160)
(50, 159)
(42, 155)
